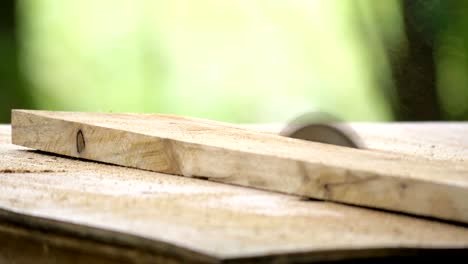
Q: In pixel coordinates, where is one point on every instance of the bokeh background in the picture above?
(237, 60)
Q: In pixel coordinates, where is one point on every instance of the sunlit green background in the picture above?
(234, 60)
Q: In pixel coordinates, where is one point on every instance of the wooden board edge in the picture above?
(99, 242)
(368, 256)
(57, 238)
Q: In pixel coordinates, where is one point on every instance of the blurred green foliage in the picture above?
(452, 58)
(13, 92)
(235, 60)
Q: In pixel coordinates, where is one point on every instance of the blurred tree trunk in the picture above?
(414, 68)
(12, 89)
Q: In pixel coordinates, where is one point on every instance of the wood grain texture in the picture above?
(224, 153)
(153, 215)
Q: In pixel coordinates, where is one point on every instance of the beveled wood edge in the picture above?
(120, 245)
(119, 240)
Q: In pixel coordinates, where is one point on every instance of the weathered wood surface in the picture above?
(145, 216)
(224, 153)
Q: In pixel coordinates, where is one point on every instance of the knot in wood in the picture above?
(80, 141)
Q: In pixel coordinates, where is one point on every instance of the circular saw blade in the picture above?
(323, 128)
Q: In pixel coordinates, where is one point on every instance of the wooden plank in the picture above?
(224, 153)
(192, 220)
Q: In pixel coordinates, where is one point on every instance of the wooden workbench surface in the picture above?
(138, 215)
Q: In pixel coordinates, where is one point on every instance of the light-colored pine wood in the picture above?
(224, 153)
(188, 219)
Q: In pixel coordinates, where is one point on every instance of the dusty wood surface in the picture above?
(192, 220)
(430, 140)
(220, 152)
